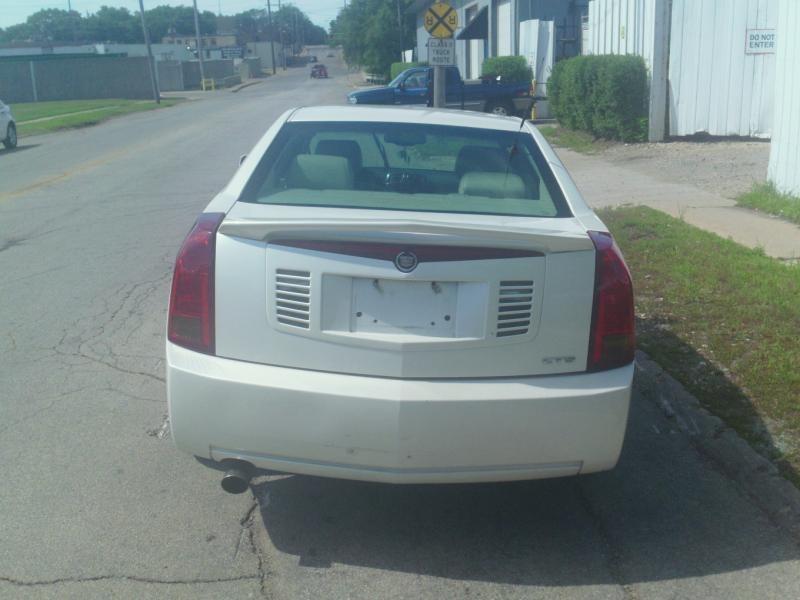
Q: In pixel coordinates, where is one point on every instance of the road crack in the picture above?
(248, 529)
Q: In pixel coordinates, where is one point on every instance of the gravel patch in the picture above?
(727, 167)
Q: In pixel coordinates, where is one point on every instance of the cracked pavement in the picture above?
(96, 503)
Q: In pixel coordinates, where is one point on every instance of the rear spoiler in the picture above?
(429, 232)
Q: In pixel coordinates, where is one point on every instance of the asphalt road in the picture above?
(95, 502)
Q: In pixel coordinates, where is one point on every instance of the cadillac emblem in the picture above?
(406, 261)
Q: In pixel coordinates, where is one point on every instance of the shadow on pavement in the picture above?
(19, 148)
(713, 388)
(663, 513)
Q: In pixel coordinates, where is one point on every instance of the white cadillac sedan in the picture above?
(400, 295)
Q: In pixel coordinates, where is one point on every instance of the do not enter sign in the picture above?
(441, 20)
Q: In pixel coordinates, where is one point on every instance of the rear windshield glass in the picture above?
(401, 166)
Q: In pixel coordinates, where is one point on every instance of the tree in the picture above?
(372, 34)
(289, 23)
(47, 26)
(114, 25)
(165, 20)
(16, 33)
(109, 24)
(251, 25)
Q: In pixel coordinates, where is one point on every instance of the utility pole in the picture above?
(294, 33)
(198, 42)
(150, 62)
(74, 33)
(402, 34)
(400, 25)
(271, 36)
(283, 49)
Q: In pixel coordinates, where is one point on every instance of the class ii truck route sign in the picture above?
(441, 52)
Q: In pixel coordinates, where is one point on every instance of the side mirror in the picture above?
(241, 158)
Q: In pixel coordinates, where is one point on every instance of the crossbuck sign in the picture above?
(441, 20)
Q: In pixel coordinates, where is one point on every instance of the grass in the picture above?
(68, 114)
(766, 198)
(579, 141)
(724, 321)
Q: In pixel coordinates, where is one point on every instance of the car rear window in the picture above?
(402, 166)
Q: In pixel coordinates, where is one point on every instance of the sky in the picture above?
(12, 12)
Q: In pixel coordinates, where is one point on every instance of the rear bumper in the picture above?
(394, 430)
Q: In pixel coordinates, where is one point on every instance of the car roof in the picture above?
(406, 114)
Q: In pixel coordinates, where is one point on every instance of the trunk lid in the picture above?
(403, 294)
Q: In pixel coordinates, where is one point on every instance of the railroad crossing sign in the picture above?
(441, 20)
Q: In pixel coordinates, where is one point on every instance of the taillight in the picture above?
(191, 303)
(612, 340)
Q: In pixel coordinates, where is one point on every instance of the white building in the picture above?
(711, 62)
(784, 157)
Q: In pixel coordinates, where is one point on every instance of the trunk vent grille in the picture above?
(514, 308)
(293, 297)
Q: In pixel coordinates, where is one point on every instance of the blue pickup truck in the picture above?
(415, 85)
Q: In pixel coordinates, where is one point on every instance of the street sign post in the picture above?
(441, 21)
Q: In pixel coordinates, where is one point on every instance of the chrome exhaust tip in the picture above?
(236, 479)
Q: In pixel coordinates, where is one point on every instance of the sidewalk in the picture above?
(605, 185)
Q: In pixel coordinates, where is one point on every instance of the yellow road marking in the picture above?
(76, 170)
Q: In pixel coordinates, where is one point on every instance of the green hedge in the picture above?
(606, 95)
(399, 67)
(513, 69)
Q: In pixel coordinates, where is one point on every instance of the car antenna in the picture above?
(512, 150)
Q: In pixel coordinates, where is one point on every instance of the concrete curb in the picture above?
(755, 475)
(246, 84)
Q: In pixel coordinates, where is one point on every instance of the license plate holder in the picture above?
(387, 306)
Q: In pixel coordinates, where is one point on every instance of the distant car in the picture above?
(400, 295)
(312, 59)
(8, 127)
(319, 71)
(330, 54)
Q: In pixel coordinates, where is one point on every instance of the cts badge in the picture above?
(406, 261)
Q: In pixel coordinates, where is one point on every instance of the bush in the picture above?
(399, 67)
(511, 69)
(606, 95)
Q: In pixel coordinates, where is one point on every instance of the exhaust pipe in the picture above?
(237, 476)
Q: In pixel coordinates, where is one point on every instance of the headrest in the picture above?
(348, 149)
(493, 185)
(320, 172)
(481, 158)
